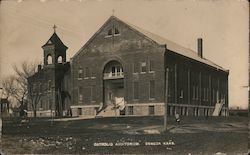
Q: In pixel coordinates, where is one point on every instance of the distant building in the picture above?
(121, 71)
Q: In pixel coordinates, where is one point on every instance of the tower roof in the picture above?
(55, 40)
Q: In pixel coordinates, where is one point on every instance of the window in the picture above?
(80, 96)
(130, 110)
(116, 31)
(213, 96)
(136, 90)
(152, 89)
(151, 66)
(113, 31)
(136, 67)
(80, 73)
(197, 92)
(110, 32)
(193, 92)
(151, 110)
(87, 72)
(181, 93)
(118, 69)
(79, 111)
(143, 67)
(207, 94)
(196, 111)
(204, 94)
(49, 85)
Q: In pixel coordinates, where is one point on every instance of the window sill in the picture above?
(143, 72)
(93, 77)
(108, 36)
(151, 99)
(79, 78)
(86, 78)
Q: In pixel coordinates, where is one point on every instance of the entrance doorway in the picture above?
(113, 82)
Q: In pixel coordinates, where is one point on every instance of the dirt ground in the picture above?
(130, 135)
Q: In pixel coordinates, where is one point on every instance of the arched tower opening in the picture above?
(49, 59)
(59, 59)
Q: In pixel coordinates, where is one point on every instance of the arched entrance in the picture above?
(113, 82)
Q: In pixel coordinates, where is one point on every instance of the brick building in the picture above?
(121, 70)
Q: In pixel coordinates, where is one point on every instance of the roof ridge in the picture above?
(177, 47)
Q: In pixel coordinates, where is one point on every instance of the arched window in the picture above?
(117, 31)
(59, 59)
(49, 59)
(110, 32)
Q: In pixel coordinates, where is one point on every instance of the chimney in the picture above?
(199, 47)
(39, 68)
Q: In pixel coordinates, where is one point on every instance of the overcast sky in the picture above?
(25, 25)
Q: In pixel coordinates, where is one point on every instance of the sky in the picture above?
(25, 25)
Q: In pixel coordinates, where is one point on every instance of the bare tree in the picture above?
(9, 86)
(23, 72)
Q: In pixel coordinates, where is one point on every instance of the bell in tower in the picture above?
(54, 50)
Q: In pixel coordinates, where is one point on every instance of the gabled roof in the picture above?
(55, 40)
(172, 46)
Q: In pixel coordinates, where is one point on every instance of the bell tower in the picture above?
(54, 51)
(55, 66)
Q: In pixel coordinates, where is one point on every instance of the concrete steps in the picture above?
(108, 111)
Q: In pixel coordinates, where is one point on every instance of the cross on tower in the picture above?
(54, 27)
(113, 12)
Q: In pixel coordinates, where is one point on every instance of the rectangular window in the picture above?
(152, 89)
(49, 85)
(87, 72)
(130, 110)
(80, 73)
(136, 90)
(181, 93)
(194, 92)
(118, 70)
(204, 94)
(79, 111)
(80, 96)
(197, 92)
(151, 110)
(213, 95)
(136, 67)
(151, 65)
(143, 67)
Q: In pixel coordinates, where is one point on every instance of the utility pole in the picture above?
(1, 122)
(248, 88)
(166, 101)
